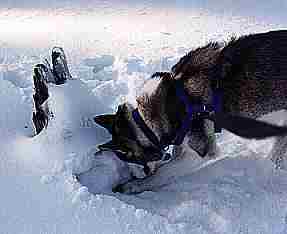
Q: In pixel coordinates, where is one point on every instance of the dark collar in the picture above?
(147, 131)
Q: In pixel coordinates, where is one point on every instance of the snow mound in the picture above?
(98, 63)
(66, 184)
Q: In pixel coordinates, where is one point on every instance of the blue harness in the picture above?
(192, 111)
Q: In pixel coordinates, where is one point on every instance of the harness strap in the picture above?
(217, 104)
(146, 130)
(195, 109)
(186, 124)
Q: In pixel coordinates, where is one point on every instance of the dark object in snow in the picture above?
(44, 74)
(60, 66)
(41, 95)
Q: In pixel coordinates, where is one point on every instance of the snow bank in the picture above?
(238, 193)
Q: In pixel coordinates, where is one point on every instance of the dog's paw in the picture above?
(131, 187)
(127, 188)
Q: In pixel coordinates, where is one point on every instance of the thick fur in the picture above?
(251, 71)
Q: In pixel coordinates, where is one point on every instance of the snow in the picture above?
(240, 192)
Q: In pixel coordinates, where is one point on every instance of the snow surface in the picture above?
(240, 192)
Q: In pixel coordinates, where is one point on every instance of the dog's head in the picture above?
(133, 146)
(160, 109)
(128, 141)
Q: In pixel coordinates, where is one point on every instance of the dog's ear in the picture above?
(105, 121)
(247, 127)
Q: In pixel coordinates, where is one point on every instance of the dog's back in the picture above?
(253, 70)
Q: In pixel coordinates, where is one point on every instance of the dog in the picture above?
(217, 86)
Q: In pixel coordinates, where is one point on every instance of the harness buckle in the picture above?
(167, 153)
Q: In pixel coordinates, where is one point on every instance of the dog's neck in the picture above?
(158, 106)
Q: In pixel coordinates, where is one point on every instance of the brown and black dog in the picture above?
(249, 72)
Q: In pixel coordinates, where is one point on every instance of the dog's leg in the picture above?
(134, 186)
(279, 151)
(202, 139)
